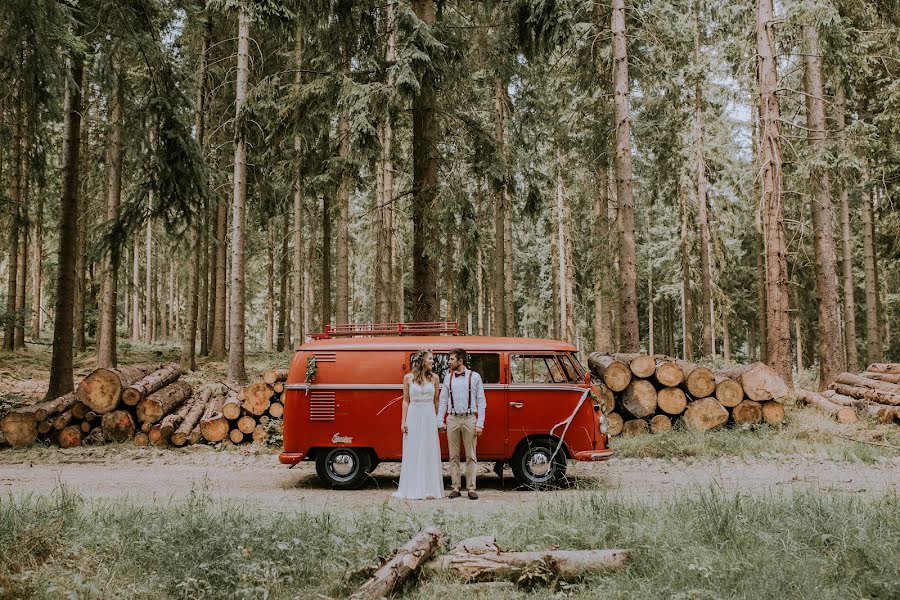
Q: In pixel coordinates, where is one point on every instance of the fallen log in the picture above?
(747, 412)
(276, 409)
(867, 393)
(256, 398)
(161, 402)
(192, 419)
(888, 368)
(699, 381)
(614, 424)
(773, 412)
(668, 374)
(196, 436)
(671, 400)
(616, 375)
(79, 410)
(641, 365)
(45, 410)
(843, 414)
(760, 381)
(635, 427)
(273, 376)
(70, 437)
(232, 406)
(102, 389)
(874, 384)
(118, 426)
(660, 423)
(62, 420)
(882, 413)
(888, 377)
(44, 427)
(19, 428)
(213, 424)
(404, 563)
(149, 384)
(729, 392)
(640, 398)
(704, 414)
(171, 421)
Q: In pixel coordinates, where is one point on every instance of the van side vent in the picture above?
(325, 356)
(321, 406)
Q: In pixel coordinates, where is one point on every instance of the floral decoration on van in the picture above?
(311, 370)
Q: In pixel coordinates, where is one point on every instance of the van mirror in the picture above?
(587, 378)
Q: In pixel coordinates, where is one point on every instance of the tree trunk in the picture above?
(830, 346)
(149, 281)
(81, 210)
(160, 403)
(269, 341)
(118, 426)
(567, 269)
(499, 260)
(401, 566)
(642, 365)
(852, 361)
(37, 262)
(326, 261)
(700, 179)
(772, 178)
(236, 346)
(152, 382)
(867, 393)
(686, 303)
(193, 415)
(342, 285)
(601, 230)
(220, 307)
(61, 369)
(13, 261)
(631, 341)
(843, 414)
(284, 313)
(555, 324)
(203, 297)
(22, 253)
(424, 185)
(873, 335)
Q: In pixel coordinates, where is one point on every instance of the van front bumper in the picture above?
(593, 455)
(290, 458)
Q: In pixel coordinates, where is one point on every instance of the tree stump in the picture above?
(616, 375)
(704, 414)
(640, 398)
(671, 400)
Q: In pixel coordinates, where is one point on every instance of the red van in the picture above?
(344, 396)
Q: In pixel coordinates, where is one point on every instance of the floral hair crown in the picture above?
(419, 356)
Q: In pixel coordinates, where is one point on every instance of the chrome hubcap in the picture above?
(539, 463)
(342, 465)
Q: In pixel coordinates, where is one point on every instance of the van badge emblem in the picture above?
(341, 439)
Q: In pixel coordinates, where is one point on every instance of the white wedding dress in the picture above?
(420, 471)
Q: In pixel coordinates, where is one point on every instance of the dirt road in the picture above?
(142, 474)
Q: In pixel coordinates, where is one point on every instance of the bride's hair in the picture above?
(420, 373)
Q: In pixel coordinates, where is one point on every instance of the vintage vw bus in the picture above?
(344, 393)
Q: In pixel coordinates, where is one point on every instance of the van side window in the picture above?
(441, 365)
(486, 365)
(534, 368)
(572, 374)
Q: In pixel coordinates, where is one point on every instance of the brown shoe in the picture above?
(473, 495)
(455, 494)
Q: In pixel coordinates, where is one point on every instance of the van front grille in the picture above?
(321, 406)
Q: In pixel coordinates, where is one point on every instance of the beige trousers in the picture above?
(461, 428)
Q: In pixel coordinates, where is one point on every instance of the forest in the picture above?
(707, 179)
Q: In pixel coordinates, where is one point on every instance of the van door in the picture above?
(493, 441)
(541, 394)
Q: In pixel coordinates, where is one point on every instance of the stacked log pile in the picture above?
(149, 404)
(875, 392)
(642, 393)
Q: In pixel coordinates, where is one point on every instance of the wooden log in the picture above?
(639, 398)
(668, 374)
(699, 381)
(278, 388)
(62, 421)
(867, 393)
(90, 416)
(600, 393)
(616, 375)
(196, 436)
(880, 412)
(256, 398)
(641, 365)
(45, 410)
(192, 418)
(156, 437)
(843, 414)
(671, 400)
(760, 381)
(94, 437)
(887, 368)
(19, 428)
(260, 435)
(141, 439)
(118, 426)
(263, 420)
(747, 412)
(236, 436)
(85, 426)
(401, 566)
(660, 423)
(149, 384)
(160, 403)
(729, 392)
(567, 564)
(232, 406)
(79, 410)
(44, 427)
(102, 389)
(144, 427)
(246, 424)
(213, 424)
(874, 384)
(273, 376)
(614, 424)
(276, 409)
(635, 427)
(70, 436)
(888, 377)
(773, 412)
(170, 422)
(704, 414)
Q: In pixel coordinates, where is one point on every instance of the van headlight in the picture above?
(602, 423)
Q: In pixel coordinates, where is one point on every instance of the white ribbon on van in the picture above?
(567, 422)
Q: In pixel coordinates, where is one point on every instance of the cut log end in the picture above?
(660, 423)
(748, 412)
(671, 400)
(705, 414)
(19, 429)
(729, 392)
(635, 427)
(614, 424)
(640, 398)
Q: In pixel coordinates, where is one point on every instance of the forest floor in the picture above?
(687, 504)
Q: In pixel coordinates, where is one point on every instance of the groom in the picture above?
(462, 395)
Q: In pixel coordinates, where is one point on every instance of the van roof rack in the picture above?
(374, 329)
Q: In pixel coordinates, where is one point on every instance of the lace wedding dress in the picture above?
(420, 471)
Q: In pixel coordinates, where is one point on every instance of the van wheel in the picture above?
(343, 468)
(531, 464)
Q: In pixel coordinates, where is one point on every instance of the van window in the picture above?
(535, 369)
(572, 374)
(486, 365)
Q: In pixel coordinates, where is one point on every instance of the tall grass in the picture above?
(708, 546)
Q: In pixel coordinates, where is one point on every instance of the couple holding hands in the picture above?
(426, 403)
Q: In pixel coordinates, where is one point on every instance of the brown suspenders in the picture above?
(469, 385)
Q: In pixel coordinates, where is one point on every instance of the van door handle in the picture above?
(516, 404)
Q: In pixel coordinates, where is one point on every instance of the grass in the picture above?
(711, 546)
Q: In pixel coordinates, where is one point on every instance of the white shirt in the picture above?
(461, 396)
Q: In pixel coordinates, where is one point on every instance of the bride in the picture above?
(420, 471)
